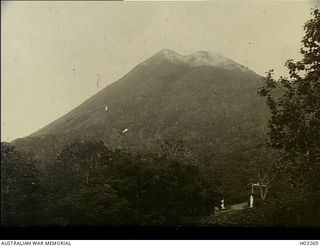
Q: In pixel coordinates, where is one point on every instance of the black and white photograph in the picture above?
(202, 114)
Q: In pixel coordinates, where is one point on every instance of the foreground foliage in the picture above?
(294, 126)
(89, 184)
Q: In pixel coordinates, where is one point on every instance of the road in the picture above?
(239, 206)
(234, 207)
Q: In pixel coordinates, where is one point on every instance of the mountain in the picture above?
(205, 99)
(199, 58)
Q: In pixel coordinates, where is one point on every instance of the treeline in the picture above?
(92, 185)
(294, 133)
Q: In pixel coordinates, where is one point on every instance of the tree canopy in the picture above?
(294, 103)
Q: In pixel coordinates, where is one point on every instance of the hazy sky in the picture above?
(51, 52)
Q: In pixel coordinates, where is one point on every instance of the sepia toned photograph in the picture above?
(160, 114)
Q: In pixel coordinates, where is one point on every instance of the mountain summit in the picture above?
(199, 58)
(206, 100)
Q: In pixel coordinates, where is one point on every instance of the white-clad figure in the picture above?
(251, 202)
(222, 204)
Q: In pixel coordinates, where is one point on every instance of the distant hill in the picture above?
(206, 100)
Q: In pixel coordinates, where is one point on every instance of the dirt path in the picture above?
(239, 206)
(235, 207)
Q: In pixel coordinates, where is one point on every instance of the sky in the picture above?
(55, 55)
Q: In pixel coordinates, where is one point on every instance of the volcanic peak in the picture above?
(199, 58)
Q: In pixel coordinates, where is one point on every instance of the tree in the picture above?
(20, 188)
(92, 185)
(294, 130)
(294, 102)
(265, 178)
(79, 190)
(82, 162)
(161, 190)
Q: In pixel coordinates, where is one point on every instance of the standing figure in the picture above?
(222, 204)
(251, 202)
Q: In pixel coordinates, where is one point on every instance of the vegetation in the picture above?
(294, 132)
(20, 187)
(88, 184)
(294, 126)
(70, 182)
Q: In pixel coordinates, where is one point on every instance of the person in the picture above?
(251, 201)
(222, 204)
